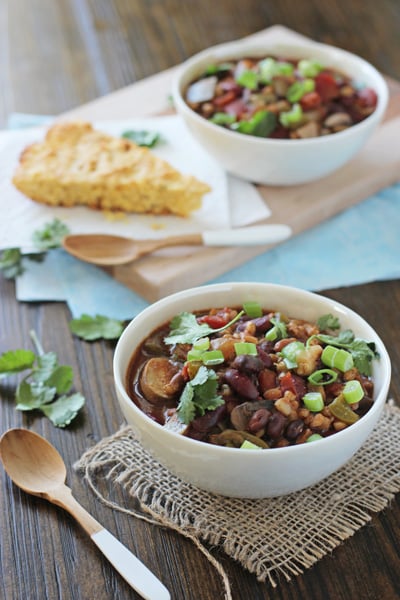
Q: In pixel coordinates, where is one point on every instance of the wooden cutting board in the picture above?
(301, 207)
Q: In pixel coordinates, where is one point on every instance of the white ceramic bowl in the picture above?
(231, 471)
(276, 161)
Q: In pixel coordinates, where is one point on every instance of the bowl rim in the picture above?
(150, 311)
(244, 45)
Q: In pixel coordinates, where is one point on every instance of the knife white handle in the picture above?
(247, 236)
(131, 568)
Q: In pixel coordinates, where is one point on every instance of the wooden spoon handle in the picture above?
(139, 577)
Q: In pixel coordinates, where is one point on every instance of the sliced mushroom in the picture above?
(338, 119)
(160, 380)
(308, 130)
(241, 414)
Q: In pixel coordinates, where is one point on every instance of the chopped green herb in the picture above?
(313, 401)
(252, 309)
(245, 348)
(45, 380)
(353, 391)
(51, 235)
(323, 377)
(142, 138)
(11, 263)
(248, 79)
(94, 328)
(261, 124)
(185, 329)
(199, 395)
(214, 69)
(221, 118)
(309, 68)
(328, 322)
(297, 90)
(291, 117)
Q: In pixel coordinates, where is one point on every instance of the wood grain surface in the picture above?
(55, 56)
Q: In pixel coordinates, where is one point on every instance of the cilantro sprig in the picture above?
(46, 385)
(185, 329)
(50, 236)
(94, 328)
(144, 138)
(363, 352)
(199, 395)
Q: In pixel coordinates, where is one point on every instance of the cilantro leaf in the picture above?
(15, 361)
(328, 322)
(93, 328)
(199, 395)
(51, 235)
(142, 137)
(46, 363)
(363, 352)
(64, 409)
(11, 263)
(185, 329)
(61, 379)
(30, 396)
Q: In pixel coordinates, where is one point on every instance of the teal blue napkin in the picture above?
(359, 245)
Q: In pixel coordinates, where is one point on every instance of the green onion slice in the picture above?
(314, 437)
(252, 309)
(221, 118)
(194, 354)
(297, 90)
(337, 358)
(248, 79)
(278, 331)
(245, 348)
(292, 116)
(353, 391)
(309, 68)
(290, 353)
(212, 357)
(318, 377)
(202, 344)
(313, 401)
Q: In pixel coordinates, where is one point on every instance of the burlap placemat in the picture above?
(272, 538)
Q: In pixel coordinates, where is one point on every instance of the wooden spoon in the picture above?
(111, 250)
(36, 467)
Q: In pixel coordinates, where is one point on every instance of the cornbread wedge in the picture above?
(77, 165)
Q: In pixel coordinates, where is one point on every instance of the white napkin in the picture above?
(231, 203)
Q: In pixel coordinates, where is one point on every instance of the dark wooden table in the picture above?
(55, 56)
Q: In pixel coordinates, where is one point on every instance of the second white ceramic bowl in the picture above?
(274, 161)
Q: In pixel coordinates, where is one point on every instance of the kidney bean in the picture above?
(265, 357)
(262, 323)
(241, 384)
(209, 419)
(276, 425)
(266, 380)
(248, 363)
(258, 420)
(294, 429)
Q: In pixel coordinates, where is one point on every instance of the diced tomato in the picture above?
(225, 98)
(293, 383)
(214, 321)
(326, 86)
(310, 101)
(367, 97)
